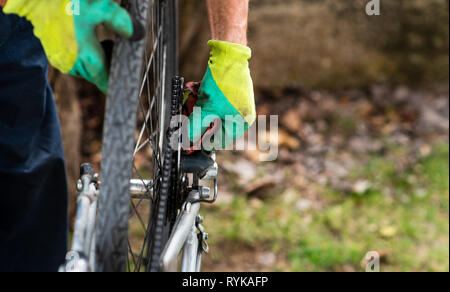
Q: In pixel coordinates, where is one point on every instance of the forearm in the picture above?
(2, 3)
(226, 89)
(228, 20)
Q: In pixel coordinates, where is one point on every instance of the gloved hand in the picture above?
(226, 90)
(70, 41)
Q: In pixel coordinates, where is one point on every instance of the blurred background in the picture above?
(363, 165)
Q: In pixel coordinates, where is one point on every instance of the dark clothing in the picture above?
(33, 188)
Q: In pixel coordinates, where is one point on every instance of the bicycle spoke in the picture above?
(142, 145)
(141, 134)
(132, 255)
(150, 131)
(128, 264)
(139, 216)
(155, 46)
(146, 187)
(141, 255)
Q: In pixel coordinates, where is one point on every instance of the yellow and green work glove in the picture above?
(226, 90)
(69, 39)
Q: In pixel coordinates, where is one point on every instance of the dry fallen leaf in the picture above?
(260, 188)
(361, 187)
(291, 120)
(244, 169)
(287, 140)
(388, 231)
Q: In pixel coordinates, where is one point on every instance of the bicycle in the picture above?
(166, 207)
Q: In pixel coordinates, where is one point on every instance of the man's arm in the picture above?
(228, 20)
(227, 88)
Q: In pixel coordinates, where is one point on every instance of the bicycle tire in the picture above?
(125, 89)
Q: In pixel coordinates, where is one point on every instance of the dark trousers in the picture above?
(33, 188)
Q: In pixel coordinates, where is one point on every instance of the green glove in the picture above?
(226, 90)
(69, 40)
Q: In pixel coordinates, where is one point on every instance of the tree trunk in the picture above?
(65, 91)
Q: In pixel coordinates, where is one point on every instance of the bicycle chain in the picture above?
(176, 176)
(171, 187)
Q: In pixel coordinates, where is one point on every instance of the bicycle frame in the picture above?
(188, 236)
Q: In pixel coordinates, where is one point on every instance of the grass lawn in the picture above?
(404, 216)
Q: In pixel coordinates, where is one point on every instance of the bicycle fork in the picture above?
(81, 257)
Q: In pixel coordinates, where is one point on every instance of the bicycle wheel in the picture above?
(137, 116)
